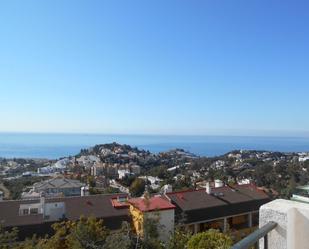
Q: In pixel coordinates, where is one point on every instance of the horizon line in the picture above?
(306, 135)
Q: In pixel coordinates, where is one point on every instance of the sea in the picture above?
(53, 146)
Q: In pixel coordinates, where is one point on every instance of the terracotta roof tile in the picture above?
(151, 204)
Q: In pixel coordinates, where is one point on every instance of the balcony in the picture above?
(284, 224)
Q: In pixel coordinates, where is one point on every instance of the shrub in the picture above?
(212, 239)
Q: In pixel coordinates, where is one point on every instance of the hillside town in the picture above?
(118, 183)
(113, 168)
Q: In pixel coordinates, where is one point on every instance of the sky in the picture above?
(155, 67)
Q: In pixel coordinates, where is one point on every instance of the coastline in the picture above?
(53, 146)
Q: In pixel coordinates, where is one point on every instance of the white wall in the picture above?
(292, 218)
(54, 210)
(30, 206)
(166, 223)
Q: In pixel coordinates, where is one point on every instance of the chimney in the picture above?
(218, 183)
(167, 189)
(84, 191)
(208, 188)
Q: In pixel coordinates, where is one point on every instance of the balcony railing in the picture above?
(253, 238)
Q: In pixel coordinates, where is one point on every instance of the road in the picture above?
(123, 189)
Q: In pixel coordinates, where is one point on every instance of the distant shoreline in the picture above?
(304, 135)
(53, 146)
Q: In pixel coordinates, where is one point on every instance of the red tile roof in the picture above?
(152, 204)
(119, 204)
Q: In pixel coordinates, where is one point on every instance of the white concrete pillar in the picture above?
(225, 228)
(196, 228)
(292, 220)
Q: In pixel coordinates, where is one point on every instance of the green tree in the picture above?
(212, 239)
(179, 239)
(8, 238)
(137, 188)
(33, 243)
(290, 188)
(91, 181)
(128, 180)
(86, 233)
(122, 239)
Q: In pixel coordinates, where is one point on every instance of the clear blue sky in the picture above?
(158, 67)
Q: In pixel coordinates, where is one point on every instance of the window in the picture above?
(255, 219)
(25, 211)
(238, 222)
(34, 211)
(216, 224)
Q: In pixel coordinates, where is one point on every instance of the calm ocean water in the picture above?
(58, 145)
